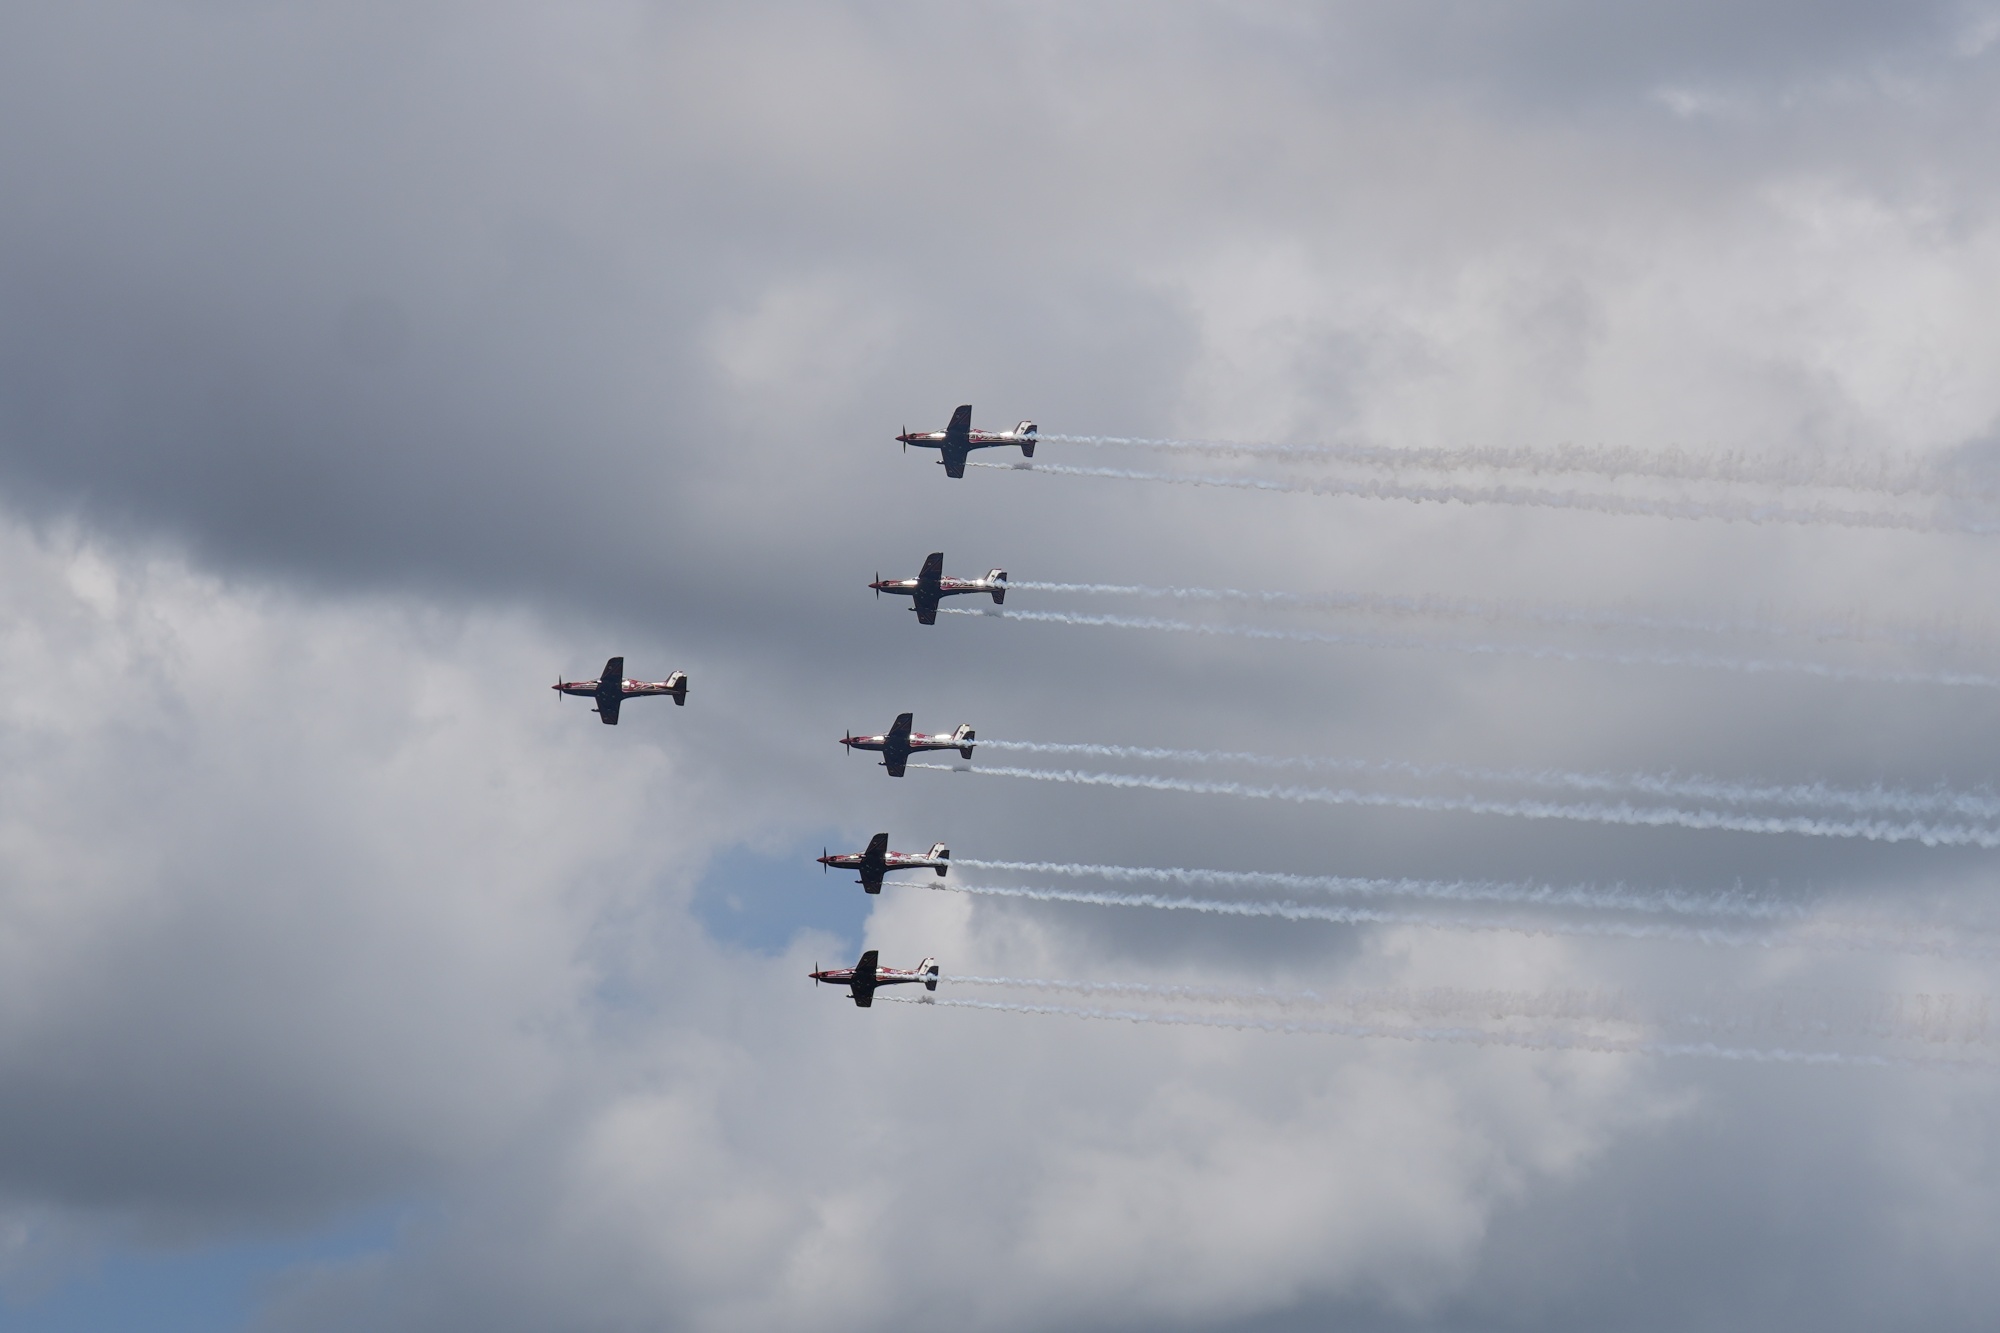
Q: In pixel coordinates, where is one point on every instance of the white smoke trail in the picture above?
(1543, 652)
(1855, 474)
(1977, 803)
(1929, 1018)
(1843, 937)
(1430, 1001)
(1733, 511)
(1613, 897)
(1466, 1036)
(1371, 916)
(1853, 627)
(1623, 813)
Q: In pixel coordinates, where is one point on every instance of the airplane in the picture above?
(899, 743)
(958, 439)
(865, 977)
(611, 689)
(878, 861)
(930, 587)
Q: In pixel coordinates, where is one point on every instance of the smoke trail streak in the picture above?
(1376, 916)
(1732, 511)
(1853, 628)
(1841, 937)
(1974, 804)
(1623, 813)
(1466, 1036)
(1430, 1002)
(1615, 897)
(1613, 464)
(1544, 652)
(1929, 1018)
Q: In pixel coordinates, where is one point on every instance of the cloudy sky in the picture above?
(363, 368)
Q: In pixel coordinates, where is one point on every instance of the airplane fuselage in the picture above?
(945, 587)
(974, 439)
(913, 743)
(884, 976)
(888, 863)
(626, 688)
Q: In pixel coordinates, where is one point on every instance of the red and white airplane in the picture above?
(866, 976)
(958, 439)
(612, 689)
(878, 861)
(898, 743)
(930, 587)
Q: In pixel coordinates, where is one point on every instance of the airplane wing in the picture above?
(927, 595)
(614, 669)
(863, 983)
(607, 708)
(896, 745)
(957, 439)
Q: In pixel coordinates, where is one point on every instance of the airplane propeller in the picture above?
(905, 433)
(878, 573)
(848, 741)
(823, 867)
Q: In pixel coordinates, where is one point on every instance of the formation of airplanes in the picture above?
(926, 591)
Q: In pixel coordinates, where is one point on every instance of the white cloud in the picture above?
(310, 896)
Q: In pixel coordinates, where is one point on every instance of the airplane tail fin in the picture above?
(1027, 431)
(998, 576)
(678, 684)
(964, 736)
(940, 852)
(928, 969)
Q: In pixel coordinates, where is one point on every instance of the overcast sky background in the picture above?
(365, 367)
